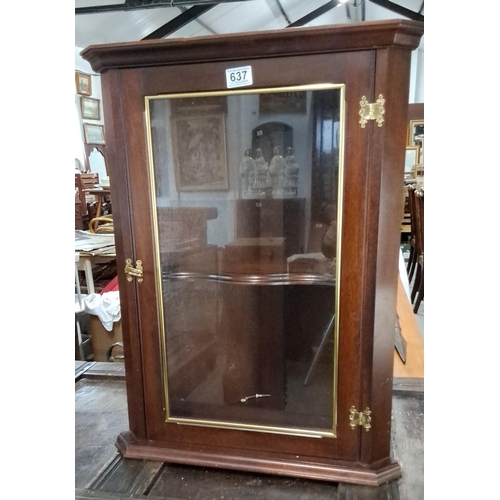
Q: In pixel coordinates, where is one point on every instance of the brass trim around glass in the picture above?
(158, 274)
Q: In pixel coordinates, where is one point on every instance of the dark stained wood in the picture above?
(415, 111)
(117, 162)
(370, 59)
(385, 201)
(142, 224)
(354, 69)
(263, 463)
(417, 293)
(355, 36)
(273, 218)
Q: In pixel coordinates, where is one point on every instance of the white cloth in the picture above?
(105, 306)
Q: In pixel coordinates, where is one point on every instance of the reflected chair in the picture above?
(417, 293)
(101, 225)
(412, 259)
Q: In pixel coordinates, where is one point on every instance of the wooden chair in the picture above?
(417, 294)
(412, 259)
(101, 225)
(79, 309)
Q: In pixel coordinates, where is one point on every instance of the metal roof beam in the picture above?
(201, 23)
(398, 9)
(179, 21)
(147, 4)
(314, 14)
(282, 10)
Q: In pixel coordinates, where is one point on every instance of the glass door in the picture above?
(246, 190)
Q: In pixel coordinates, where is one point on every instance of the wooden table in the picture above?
(103, 474)
(91, 250)
(100, 194)
(86, 263)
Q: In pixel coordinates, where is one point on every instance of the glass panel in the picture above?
(246, 192)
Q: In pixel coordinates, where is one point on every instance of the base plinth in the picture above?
(204, 456)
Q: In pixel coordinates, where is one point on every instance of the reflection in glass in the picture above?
(246, 195)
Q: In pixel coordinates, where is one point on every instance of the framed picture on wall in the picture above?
(199, 147)
(94, 134)
(90, 108)
(411, 158)
(83, 83)
(416, 133)
(283, 102)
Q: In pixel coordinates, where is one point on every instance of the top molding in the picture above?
(367, 35)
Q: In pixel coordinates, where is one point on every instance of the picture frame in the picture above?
(411, 158)
(283, 103)
(199, 150)
(415, 132)
(83, 83)
(94, 134)
(90, 108)
(418, 170)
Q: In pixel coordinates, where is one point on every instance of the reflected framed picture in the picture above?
(411, 158)
(283, 102)
(94, 134)
(83, 83)
(90, 108)
(416, 132)
(199, 149)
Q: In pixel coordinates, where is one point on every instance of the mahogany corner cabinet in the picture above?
(257, 196)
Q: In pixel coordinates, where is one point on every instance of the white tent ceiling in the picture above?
(119, 25)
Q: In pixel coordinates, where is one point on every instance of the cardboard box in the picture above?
(102, 340)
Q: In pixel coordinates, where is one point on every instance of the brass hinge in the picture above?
(134, 272)
(372, 111)
(360, 418)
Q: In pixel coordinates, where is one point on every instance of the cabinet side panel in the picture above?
(355, 224)
(387, 160)
(140, 201)
(117, 161)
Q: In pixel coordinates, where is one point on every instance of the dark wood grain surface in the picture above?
(353, 69)
(369, 59)
(355, 36)
(124, 239)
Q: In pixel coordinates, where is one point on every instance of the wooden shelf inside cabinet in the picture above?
(259, 228)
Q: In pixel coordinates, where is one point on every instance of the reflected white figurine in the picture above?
(263, 181)
(277, 171)
(248, 175)
(291, 185)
